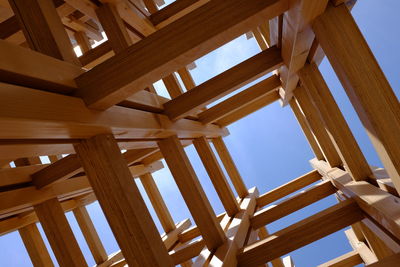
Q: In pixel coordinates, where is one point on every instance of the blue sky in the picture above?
(267, 146)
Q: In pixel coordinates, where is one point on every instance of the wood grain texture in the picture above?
(351, 258)
(121, 202)
(192, 192)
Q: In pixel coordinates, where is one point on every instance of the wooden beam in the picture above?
(121, 202)
(101, 88)
(59, 234)
(378, 204)
(336, 125)
(157, 201)
(35, 245)
(216, 175)
(351, 258)
(248, 109)
(171, 238)
(372, 96)
(239, 100)
(230, 166)
(96, 55)
(68, 117)
(288, 188)
(306, 129)
(223, 84)
(90, 234)
(172, 85)
(318, 127)
(170, 10)
(187, 252)
(387, 262)
(186, 78)
(291, 204)
(301, 233)
(192, 192)
(82, 41)
(43, 28)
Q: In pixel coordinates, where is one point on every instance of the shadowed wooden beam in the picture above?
(59, 233)
(192, 192)
(387, 262)
(288, 188)
(291, 204)
(216, 175)
(121, 202)
(301, 233)
(223, 83)
(43, 28)
(239, 100)
(183, 41)
(371, 95)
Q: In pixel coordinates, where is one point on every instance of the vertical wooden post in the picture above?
(230, 166)
(192, 192)
(83, 41)
(336, 125)
(306, 129)
(90, 234)
(43, 28)
(35, 246)
(216, 175)
(157, 201)
(317, 126)
(121, 202)
(61, 238)
(365, 84)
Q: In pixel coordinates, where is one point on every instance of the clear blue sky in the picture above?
(267, 146)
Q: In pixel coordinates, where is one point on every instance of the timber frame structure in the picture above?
(93, 106)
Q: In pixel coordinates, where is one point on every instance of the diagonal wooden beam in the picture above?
(301, 233)
(183, 41)
(239, 100)
(223, 83)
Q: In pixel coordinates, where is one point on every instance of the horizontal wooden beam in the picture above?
(183, 42)
(288, 188)
(296, 202)
(239, 100)
(301, 233)
(351, 258)
(171, 10)
(224, 83)
(187, 252)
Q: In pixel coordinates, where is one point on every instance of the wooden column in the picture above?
(230, 166)
(216, 175)
(157, 201)
(365, 84)
(192, 192)
(90, 234)
(61, 238)
(83, 41)
(121, 202)
(317, 126)
(306, 129)
(335, 123)
(43, 28)
(35, 246)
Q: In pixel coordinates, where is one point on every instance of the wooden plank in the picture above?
(291, 204)
(349, 259)
(170, 10)
(318, 127)
(55, 116)
(230, 166)
(187, 252)
(19, 175)
(239, 100)
(378, 204)
(59, 234)
(83, 41)
(171, 238)
(223, 83)
(186, 78)
(301, 233)
(87, 7)
(192, 192)
(157, 201)
(336, 125)
(248, 109)
(121, 202)
(183, 41)
(35, 246)
(306, 129)
(146, 101)
(387, 262)
(288, 188)
(96, 54)
(372, 97)
(43, 28)
(90, 234)
(172, 84)
(216, 175)
(363, 250)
